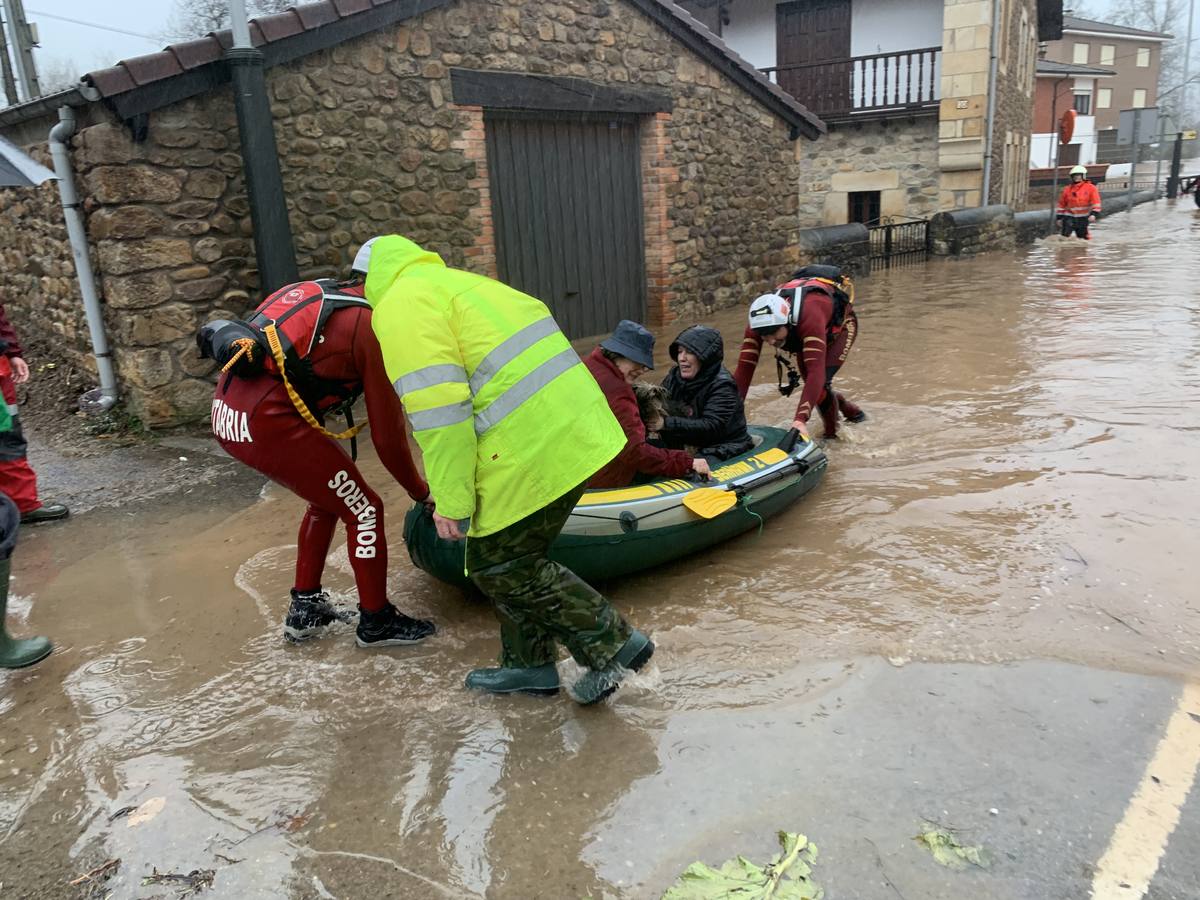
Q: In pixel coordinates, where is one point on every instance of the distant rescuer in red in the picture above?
(812, 318)
(1078, 205)
(322, 333)
(17, 478)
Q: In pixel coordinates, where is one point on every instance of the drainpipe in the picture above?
(991, 105)
(101, 399)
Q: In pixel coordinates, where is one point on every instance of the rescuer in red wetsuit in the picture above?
(819, 333)
(257, 423)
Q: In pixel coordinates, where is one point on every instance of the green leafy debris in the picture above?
(946, 849)
(785, 877)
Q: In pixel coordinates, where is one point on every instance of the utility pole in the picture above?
(1176, 165)
(1187, 57)
(10, 84)
(22, 39)
(1137, 136)
(273, 247)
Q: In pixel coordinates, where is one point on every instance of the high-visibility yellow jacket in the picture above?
(507, 417)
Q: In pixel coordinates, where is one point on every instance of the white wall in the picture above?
(751, 31)
(886, 26)
(1042, 146)
(876, 26)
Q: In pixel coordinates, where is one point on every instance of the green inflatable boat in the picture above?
(618, 531)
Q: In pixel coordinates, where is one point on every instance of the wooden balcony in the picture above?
(865, 87)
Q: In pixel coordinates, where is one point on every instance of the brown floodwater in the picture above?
(1025, 487)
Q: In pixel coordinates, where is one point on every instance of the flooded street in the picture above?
(982, 616)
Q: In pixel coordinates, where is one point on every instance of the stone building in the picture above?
(613, 158)
(917, 121)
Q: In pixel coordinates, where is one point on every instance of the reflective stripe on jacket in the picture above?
(1079, 199)
(507, 416)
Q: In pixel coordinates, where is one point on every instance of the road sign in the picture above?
(1189, 135)
(1145, 121)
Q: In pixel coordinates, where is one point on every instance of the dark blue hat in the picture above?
(632, 341)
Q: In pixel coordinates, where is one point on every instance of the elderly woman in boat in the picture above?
(616, 364)
(710, 414)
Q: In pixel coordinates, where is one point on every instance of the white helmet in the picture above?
(362, 258)
(770, 311)
(1079, 170)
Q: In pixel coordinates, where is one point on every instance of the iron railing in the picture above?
(898, 241)
(902, 82)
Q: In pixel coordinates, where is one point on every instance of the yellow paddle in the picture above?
(708, 503)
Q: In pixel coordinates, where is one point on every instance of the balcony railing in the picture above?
(865, 85)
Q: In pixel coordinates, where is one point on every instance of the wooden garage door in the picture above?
(567, 207)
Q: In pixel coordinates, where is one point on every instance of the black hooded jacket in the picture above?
(716, 419)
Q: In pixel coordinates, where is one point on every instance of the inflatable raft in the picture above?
(623, 530)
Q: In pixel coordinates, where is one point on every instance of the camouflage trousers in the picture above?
(539, 602)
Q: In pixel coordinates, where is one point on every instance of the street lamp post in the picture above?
(273, 247)
(1056, 138)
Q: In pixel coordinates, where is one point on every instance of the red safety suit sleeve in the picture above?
(637, 454)
(9, 336)
(1095, 196)
(385, 413)
(815, 314)
(747, 361)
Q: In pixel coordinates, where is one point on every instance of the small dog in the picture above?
(651, 401)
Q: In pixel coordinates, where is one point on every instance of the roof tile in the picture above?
(154, 67)
(196, 53)
(113, 80)
(280, 25)
(314, 15)
(350, 7)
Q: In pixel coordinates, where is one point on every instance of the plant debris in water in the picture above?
(947, 850)
(785, 877)
(192, 883)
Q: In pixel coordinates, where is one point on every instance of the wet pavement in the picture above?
(985, 617)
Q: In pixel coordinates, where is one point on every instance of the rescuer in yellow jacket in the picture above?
(511, 426)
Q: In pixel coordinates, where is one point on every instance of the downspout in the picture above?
(101, 400)
(993, 73)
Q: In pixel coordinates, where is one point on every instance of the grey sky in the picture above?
(87, 48)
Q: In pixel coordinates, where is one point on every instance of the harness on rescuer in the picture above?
(784, 305)
(278, 339)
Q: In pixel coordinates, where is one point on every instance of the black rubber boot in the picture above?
(596, 684)
(541, 681)
(47, 512)
(14, 653)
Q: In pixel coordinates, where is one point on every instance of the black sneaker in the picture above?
(309, 613)
(389, 628)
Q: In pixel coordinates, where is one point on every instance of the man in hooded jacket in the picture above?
(511, 426)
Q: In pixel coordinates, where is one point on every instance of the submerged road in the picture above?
(985, 618)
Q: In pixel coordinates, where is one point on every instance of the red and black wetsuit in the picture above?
(17, 478)
(256, 423)
(821, 348)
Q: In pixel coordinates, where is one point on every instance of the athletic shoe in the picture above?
(389, 628)
(310, 612)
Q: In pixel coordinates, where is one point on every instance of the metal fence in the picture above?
(899, 241)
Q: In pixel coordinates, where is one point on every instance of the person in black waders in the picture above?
(812, 318)
(309, 351)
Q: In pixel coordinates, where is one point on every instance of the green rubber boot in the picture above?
(540, 680)
(14, 652)
(596, 684)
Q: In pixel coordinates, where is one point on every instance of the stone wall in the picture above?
(848, 246)
(965, 232)
(897, 157)
(37, 272)
(371, 142)
(1013, 125)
